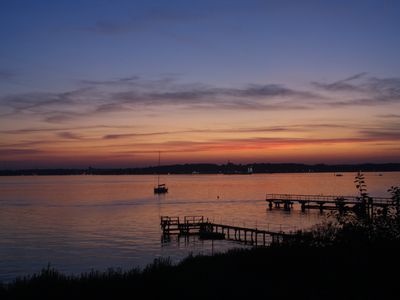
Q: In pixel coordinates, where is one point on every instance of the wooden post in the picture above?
(385, 211)
(270, 204)
(371, 205)
(303, 206)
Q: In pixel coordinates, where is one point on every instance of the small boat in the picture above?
(161, 188)
(338, 174)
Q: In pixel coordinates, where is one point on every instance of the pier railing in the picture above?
(326, 199)
(193, 219)
(198, 225)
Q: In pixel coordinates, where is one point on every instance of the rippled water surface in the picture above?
(79, 223)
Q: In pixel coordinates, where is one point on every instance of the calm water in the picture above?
(79, 223)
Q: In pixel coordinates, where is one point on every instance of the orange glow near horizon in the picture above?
(113, 147)
(202, 132)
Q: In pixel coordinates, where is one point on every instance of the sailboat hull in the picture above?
(160, 190)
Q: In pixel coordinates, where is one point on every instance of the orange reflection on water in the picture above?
(83, 222)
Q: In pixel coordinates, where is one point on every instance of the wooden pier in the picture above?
(198, 225)
(322, 202)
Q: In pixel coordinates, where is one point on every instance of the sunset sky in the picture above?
(110, 83)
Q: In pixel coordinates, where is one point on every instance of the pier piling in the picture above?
(198, 225)
(323, 202)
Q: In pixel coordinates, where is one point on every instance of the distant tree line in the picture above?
(229, 168)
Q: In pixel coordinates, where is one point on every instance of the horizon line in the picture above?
(213, 164)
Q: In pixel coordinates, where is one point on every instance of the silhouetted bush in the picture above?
(328, 262)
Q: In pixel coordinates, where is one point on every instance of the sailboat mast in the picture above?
(159, 160)
(160, 188)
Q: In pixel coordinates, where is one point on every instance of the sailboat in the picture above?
(161, 188)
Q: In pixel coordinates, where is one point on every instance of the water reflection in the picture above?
(82, 222)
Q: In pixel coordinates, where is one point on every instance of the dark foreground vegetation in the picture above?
(228, 168)
(298, 272)
(355, 257)
(346, 260)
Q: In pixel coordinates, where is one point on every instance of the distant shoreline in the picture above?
(208, 169)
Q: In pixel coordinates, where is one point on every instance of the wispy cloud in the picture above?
(116, 81)
(389, 116)
(373, 101)
(69, 135)
(130, 135)
(34, 100)
(12, 152)
(134, 93)
(341, 85)
(238, 144)
(393, 134)
(25, 144)
(73, 132)
(251, 91)
(200, 96)
(362, 91)
(125, 94)
(265, 129)
(59, 129)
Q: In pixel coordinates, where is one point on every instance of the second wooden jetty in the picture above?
(322, 202)
(201, 226)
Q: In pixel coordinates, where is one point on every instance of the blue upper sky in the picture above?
(52, 44)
